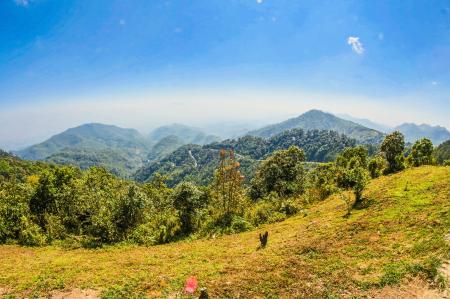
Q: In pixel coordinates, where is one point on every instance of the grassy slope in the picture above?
(400, 232)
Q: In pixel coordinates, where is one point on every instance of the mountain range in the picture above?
(126, 151)
(412, 132)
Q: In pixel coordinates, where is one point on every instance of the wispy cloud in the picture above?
(356, 44)
(22, 2)
(259, 1)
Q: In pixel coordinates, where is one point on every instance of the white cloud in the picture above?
(259, 1)
(22, 2)
(356, 44)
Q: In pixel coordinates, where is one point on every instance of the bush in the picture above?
(13, 206)
(228, 223)
(54, 228)
(322, 181)
(163, 228)
(30, 234)
(271, 210)
(376, 166)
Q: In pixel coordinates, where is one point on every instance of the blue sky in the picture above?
(384, 60)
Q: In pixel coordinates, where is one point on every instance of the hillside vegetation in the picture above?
(319, 120)
(442, 153)
(197, 163)
(121, 151)
(397, 232)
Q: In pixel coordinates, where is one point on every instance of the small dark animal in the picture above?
(203, 294)
(263, 239)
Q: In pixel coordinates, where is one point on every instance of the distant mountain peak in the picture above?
(319, 120)
(413, 132)
(90, 135)
(186, 134)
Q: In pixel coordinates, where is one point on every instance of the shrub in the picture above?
(376, 166)
(30, 234)
(322, 181)
(162, 228)
(228, 223)
(271, 210)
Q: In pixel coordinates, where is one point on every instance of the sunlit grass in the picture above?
(397, 233)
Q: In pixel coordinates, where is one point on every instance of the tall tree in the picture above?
(187, 200)
(392, 147)
(351, 170)
(228, 191)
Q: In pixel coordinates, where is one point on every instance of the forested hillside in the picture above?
(197, 163)
(88, 136)
(184, 133)
(119, 150)
(319, 120)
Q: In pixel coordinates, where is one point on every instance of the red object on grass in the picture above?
(191, 285)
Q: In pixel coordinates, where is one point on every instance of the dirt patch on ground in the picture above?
(75, 294)
(413, 289)
(2, 292)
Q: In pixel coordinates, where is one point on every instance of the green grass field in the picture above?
(398, 234)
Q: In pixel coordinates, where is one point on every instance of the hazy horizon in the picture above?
(143, 64)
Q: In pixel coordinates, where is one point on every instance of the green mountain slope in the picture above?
(120, 150)
(165, 146)
(89, 136)
(185, 133)
(391, 247)
(318, 120)
(414, 132)
(197, 163)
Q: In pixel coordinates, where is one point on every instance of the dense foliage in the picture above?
(442, 153)
(197, 163)
(44, 203)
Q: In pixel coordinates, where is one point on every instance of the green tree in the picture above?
(55, 194)
(421, 153)
(351, 170)
(130, 209)
(281, 173)
(187, 201)
(392, 147)
(442, 153)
